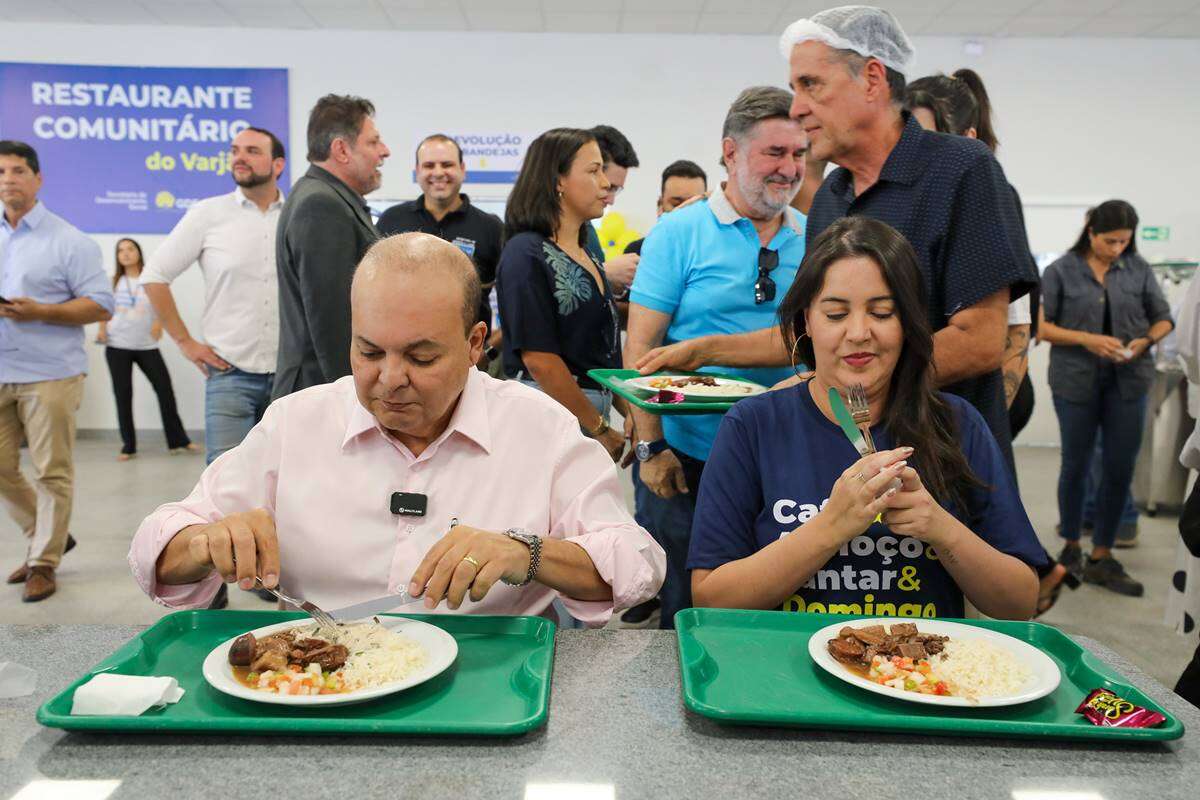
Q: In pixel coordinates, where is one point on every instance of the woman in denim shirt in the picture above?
(1103, 310)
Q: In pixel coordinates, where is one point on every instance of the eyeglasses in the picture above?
(764, 287)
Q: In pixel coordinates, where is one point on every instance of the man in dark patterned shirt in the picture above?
(946, 194)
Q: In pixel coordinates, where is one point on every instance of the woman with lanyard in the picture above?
(782, 522)
(559, 316)
(1102, 312)
(958, 104)
(131, 337)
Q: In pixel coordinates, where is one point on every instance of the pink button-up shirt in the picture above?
(511, 457)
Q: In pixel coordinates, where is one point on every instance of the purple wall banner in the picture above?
(128, 149)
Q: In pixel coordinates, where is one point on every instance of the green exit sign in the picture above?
(1156, 233)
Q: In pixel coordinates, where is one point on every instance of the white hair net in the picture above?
(869, 31)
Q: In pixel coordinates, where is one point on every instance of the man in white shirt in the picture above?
(232, 236)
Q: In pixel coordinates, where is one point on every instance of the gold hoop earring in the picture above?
(795, 345)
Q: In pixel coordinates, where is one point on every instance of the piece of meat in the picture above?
(933, 643)
(913, 650)
(275, 660)
(331, 658)
(241, 652)
(872, 629)
(870, 638)
(272, 652)
(903, 630)
(328, 655)
(848, 650)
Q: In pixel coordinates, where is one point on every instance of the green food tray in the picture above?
(498, 686)
(614, 379)
(753, 668)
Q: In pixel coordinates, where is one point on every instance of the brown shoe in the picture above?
(40, 584)
(21, 573)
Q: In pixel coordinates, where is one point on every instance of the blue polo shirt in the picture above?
(772, 469)
(699, 265)
(51, 261)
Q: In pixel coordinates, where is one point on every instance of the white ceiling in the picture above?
(1151, 18)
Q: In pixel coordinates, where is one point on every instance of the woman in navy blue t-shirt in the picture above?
(786, 514)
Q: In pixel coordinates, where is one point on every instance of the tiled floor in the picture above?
(112, 497)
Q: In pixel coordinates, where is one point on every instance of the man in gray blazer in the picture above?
(324, 230)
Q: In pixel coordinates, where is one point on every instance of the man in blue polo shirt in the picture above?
(52, 283)
(720, 266)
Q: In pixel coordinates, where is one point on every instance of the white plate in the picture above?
(1043, 679)
(643, 387)
(440, 647)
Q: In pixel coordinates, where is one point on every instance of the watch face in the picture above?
(642, 451)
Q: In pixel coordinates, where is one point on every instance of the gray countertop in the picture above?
(617, 729)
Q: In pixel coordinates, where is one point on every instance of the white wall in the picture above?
(1079, 120)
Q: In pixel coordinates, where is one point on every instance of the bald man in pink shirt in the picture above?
(417, 471)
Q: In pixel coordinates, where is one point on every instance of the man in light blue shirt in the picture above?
(52, 283)
(720, 266)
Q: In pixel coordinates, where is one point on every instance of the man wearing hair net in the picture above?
(946, 194)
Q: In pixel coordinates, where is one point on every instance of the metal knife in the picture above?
(379, 605)
(847, 422)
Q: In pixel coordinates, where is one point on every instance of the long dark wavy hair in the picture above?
(119, 272)
(534, 204)
(1111, 215)
(916, 414)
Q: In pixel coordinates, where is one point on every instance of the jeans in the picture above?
(1120, 422)
(601, 399)
(150, 362)
(1129, 515)
(670, 523)
(234, 402)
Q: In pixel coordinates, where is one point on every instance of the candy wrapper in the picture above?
(666, 396)
(1104, 708)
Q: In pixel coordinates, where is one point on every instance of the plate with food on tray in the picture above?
(934, 661)
(697, 388)
(299, 663)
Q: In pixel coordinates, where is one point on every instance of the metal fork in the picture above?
(860, 412)
(322, 617)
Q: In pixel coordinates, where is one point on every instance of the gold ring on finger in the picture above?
(470, 560)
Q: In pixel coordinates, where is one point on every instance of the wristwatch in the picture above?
(602, 427)
(648, 450)
(534, 543)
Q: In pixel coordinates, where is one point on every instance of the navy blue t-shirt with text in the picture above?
(772, 468)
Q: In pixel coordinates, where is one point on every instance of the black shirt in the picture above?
(948, 196)
(550, 304)
(475, 232)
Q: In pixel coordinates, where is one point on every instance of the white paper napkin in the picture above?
(124, 695)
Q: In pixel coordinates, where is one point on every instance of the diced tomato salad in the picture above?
(899, 672)
(297, 681)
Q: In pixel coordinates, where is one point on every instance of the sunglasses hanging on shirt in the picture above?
(764, 287)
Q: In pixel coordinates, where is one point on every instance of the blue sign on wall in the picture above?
(128, 149)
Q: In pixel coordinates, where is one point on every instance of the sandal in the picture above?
(1047, 599)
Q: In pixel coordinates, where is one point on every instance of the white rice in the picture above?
(378, 655)
(977, 668)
